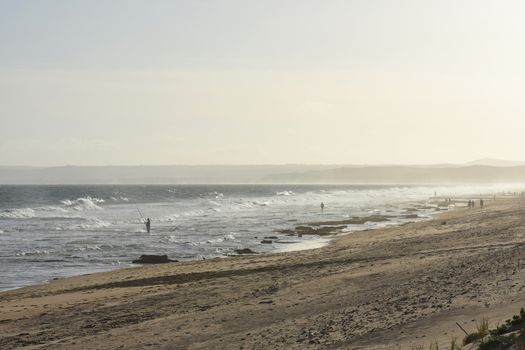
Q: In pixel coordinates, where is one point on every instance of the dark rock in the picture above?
(410, 216)
(270, 237)
(244, 251)
(266, 241)
(153, 259)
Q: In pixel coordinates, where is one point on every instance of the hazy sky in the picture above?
(244, 82)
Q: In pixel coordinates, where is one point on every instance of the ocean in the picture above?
(56, 231)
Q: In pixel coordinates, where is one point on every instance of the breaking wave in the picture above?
(49, 212)
(83, 203)
(34, 252)
(22, 213)
(88, 247)
(229, 237)
(52, 209)
(285, 193)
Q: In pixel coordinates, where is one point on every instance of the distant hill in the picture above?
(406, 175)
(292, 173)
(496, 162)
(161, 174)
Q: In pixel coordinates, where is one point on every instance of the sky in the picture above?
(261, 82)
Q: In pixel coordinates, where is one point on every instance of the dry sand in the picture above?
(404, 285)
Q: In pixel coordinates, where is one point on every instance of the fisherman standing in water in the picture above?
(322, 206)
(148, 224)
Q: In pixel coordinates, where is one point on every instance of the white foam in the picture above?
(229, 237)
(173, 239)
(94, 224)
(90, 225)
(302, 245)
(21, 213)
(242, 205)
(189, 214)
(89, 247)
(83, 203)
(51, 209)
(34, 252)
(46, 212)
(285, 193)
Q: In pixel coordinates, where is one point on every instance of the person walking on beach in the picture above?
(481, 203)
(322, 206)
(148, 224)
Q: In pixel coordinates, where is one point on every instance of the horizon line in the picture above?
(467, 163)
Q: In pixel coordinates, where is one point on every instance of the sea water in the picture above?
(50, 232)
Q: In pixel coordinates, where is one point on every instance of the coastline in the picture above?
(322, 232)
(360, 291)
(88, 229)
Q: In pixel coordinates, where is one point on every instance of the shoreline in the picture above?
(398, 285)
(76, 237)
(314, 241)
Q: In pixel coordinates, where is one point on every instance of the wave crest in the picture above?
(285, 193)
(83, 203)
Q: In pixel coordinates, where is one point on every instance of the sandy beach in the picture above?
(396, 286)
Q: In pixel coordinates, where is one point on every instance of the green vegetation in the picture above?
(512, 332)
(454, 344)
(509, 335)
(482, 330)
(517, 322)
(433, 346)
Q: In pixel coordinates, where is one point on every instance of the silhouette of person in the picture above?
(148, 225)
(322, 206)
(481, 203)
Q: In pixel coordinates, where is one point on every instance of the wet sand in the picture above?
(403, 285)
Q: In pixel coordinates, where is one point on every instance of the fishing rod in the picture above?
(136, 206)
